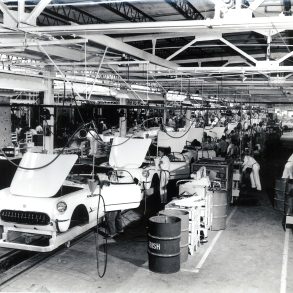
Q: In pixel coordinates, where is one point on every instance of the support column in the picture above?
(123, 120)
(154, 42)
(48, 141)
(165, 114)
(188, 116)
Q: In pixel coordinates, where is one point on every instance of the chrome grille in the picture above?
(25, 217)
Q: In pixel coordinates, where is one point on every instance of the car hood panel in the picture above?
(128, 152)
(176, 140)
(44, 182)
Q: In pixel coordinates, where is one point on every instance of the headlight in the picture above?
(61, 206)
(146, 173)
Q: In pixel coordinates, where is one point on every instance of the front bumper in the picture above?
(54, 239)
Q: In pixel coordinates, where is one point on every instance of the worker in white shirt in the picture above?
(93, 138)
(39, 129)
(250, 162)
(288, 169)
(164, 168)
(214, 120)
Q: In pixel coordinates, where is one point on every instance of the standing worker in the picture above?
(102, 127)
(288, 169)
(250, 162)
(114, 223)
(94, 140)
(164, 168)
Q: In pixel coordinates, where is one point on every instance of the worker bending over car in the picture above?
(251, 165)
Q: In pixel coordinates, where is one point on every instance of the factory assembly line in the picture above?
(52, 197)
(146, 146)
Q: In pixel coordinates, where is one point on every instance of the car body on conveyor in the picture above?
(151, 132)
(129, 160)
(287, 125)
(41, 210)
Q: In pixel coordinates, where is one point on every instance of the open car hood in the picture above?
(215, 132)
(128, 152)
(176, 140)
(43, 182)
(195, 133)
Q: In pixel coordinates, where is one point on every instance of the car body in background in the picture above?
(287, 125)
(151, 132)
(130, 160)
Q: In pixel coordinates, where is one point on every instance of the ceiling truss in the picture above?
(185, 8)
(182, 55)
(128, 11)
(73, 14)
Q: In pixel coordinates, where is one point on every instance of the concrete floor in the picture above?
(246, 257)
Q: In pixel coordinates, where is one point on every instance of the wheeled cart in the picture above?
(192, 206)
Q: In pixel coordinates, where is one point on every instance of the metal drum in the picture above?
(184, 216)
(163, 244)
(279, 194)
(219, 210)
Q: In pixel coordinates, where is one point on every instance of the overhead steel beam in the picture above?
(186, 9)
(237, 69)
(19, 82)
(11, 50)
(37, 11)
(221, 26)
(163, 36)
(130, 50)
(73, 14)
(31, 43)
(7, 11)
(226, 58)
(49, 20)
(147, 37)
(285, 57)
(61, 52)
(128, 11)
(20, 10)
(249, 57)
(196, 39)
(182, 49)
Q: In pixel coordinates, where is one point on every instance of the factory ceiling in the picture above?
(229, 49)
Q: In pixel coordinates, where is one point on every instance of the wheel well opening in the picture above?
(80, 216)
(155, 180)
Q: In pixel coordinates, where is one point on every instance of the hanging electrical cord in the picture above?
(97, 138)
(49, 163)
(130, 137)
(100, 139)
(139, 125)
(100, 197)
(164, 129)
(101, 275)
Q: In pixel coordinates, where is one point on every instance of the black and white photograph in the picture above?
(146, 146)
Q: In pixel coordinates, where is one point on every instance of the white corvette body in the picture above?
(40, 203)
(128, 160)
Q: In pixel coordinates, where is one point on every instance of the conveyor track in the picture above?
(16, 262)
